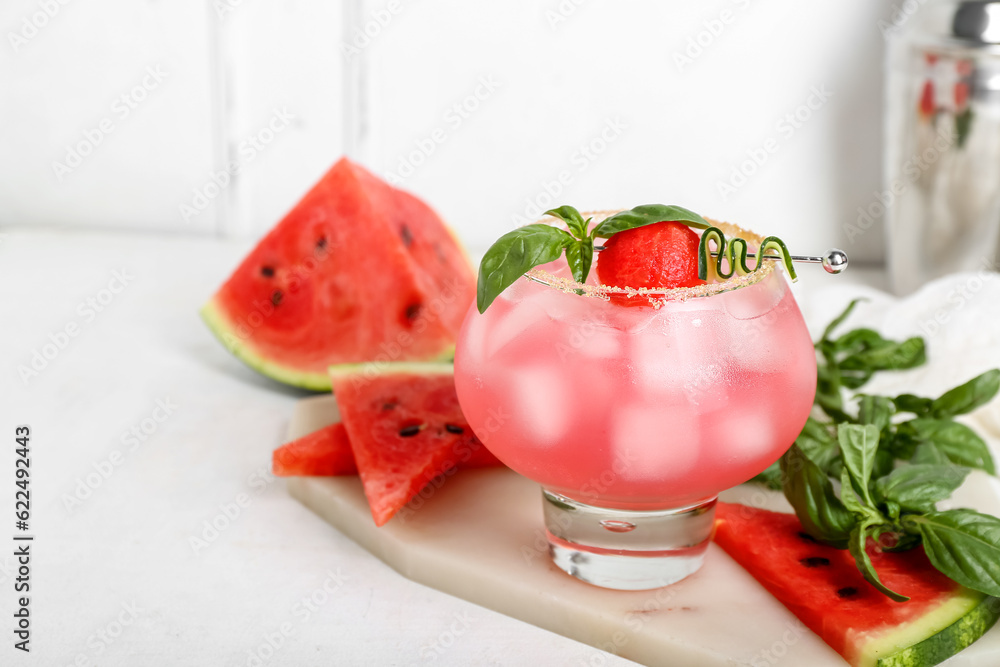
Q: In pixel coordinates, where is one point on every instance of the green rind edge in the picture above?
(377, 368)
(220, 326)
(944, 644)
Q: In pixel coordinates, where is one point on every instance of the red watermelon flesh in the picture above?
(664, 255)
(322, 453)
(822, 586)
(327, 453)
(357, 271)
(405, 427)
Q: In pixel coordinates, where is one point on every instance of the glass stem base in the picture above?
(626, 549)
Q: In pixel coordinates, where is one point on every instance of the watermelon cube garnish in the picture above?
(660, 255)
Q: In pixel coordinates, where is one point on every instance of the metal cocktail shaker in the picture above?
(941, 194)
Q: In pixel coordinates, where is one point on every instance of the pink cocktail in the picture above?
(633, 417)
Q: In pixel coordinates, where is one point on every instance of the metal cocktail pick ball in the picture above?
(834, 261)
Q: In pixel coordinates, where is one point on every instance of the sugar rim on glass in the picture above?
(656, 296)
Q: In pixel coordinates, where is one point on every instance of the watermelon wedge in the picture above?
(322, 453)
(405, 427)
(823, 588)
(327, 453)
(357, 271)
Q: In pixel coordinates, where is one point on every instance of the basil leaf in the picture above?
(901, 445)
(857, 546)
(848, 496)
(818, 431)
(839, 319)
(809, 491)
(579, 256)
(769, 477)
(860, 339)
(854, 504)
(915, 404)
(648, 214)
(884, 462)
(852, 379)
(818, 445)
(926, 452)
(890, 356)
(978, 391)
(828, 394)
(875, 410)
(858, 445)
(956, 441)
(964, 545)
(577, 225)
(514, 254)
(919, 487)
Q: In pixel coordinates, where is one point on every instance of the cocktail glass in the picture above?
(634, 408)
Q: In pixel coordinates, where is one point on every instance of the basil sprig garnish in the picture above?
(895, 459)
(517, 252)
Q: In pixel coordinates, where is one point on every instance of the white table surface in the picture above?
(129, 544)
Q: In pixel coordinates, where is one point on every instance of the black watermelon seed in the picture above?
(815, 561)
(321, 243)
(808, 538)
(276, 297)
(406, 235)
(451, 428)
(267, 271)
(410, 431)
(391, 405)
(847, 591)
(413, 310)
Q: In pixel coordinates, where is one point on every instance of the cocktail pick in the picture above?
(834, 261)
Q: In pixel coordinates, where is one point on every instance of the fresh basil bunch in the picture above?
(894, 504)
(911, 428)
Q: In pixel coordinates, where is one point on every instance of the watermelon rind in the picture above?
(376, 368)
(947, 619)
(223, 329)
(948, 629)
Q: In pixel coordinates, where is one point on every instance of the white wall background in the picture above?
(564, 72)
(67, 77)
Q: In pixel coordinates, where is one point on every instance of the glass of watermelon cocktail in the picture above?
(634, 408)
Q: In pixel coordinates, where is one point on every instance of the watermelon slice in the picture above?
(322, 453)
(822, 586)
(327, 453)
(357, 271)
(405, 427)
